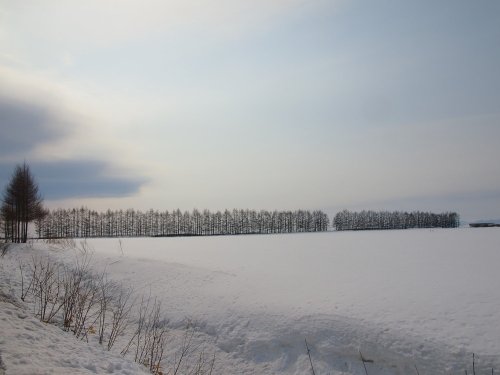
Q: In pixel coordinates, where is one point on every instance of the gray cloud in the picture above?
(77, 179)
(24, 125)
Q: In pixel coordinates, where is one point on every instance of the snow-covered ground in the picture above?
(30, 347)
(425, 298)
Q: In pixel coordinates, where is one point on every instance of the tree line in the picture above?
(347, 220)
(83, 222)
(22, 204)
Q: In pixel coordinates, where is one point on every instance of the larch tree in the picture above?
(22, 204)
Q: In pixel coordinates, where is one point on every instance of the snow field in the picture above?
(428, 298)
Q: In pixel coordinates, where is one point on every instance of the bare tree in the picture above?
(64, 223)
(150, 337)
(347, 220)
(120, 310)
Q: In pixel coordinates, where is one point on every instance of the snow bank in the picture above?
(30, 347)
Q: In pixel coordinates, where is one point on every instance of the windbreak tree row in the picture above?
(347, 220)
(74, 223)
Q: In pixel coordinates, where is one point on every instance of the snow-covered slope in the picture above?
(30, 347)
(425, 298)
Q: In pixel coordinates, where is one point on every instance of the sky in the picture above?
(262, 104)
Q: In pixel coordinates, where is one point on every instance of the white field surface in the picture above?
(425, 298)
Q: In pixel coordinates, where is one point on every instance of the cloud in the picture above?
(84, 179)
(34, 113)
(42, 123)
(78, 179)
(104, 22)
(25, 125)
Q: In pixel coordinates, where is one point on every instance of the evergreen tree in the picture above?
(21, 205)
